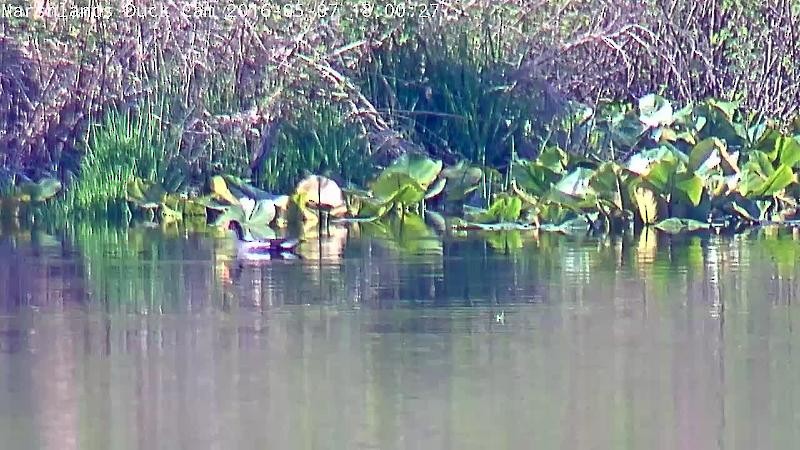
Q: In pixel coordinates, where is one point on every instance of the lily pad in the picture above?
(421, 169)
(461, 180)
(460, 224)
(678, 225)
(505, 208)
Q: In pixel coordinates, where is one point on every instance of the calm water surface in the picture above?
(139, 339)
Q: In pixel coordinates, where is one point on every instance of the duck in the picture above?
(251, 249)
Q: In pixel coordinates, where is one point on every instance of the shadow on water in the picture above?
(384, 336)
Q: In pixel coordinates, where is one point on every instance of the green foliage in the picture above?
(405, 183)
(450, 88)
(505, 208)
(460, 180)
(40, 191)
(125, 146)
(318, 140)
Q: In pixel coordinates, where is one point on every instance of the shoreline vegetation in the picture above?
(498, 115)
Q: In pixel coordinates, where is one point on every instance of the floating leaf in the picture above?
(679, 225)
(576, 225)
(460, 224)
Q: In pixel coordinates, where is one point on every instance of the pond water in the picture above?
(399, 339)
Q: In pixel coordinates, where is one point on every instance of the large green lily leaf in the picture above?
(254, 216)
(221, 192)
(760, 179)
(642, 162)
(710, 154)
(249, 212)
(436, 188)
(421, 169)
(258, 211)
(655, 111)
(240, 188)
(40, 191)
(505, 208)
(553, 158)
(766, 142)
(780, 179)
(576, 183)
(607, 182)
(650, 206)
(626, 129)
(533, 177)
(461, 180)
(406, 180)
(662, 175)
(719, 122)
(397, 187)
(574, 191)
(788, 149)
(691, 185)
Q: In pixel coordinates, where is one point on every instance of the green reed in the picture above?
(451, 89)
(319, 141)
(124, 145)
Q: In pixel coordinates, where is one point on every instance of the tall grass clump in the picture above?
(449, 85)
(319, 141)
(125, 145)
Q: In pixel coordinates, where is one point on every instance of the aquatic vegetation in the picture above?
(319, 140)
(403, 185)
(233, 199)
(20, 200)
(695, 168)
(322, 196)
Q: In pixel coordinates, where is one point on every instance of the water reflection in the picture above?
(387, 338)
